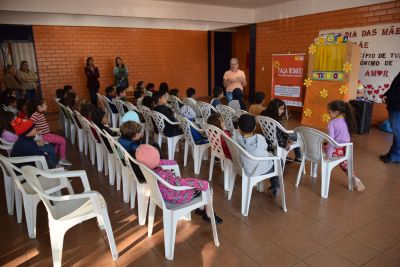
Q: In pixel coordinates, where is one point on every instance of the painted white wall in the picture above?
(33, 18)
(133, 8)
(158, 14)
(305, 7)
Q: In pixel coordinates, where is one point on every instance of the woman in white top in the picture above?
(234, 78)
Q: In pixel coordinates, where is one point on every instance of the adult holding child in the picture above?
(93, 84)
(234, 78)
(120, 73)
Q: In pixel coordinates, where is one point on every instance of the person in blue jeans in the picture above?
(392, 100)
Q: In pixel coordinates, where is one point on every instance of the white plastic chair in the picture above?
(248, 180)
(172, 142)
(95, 146)
(173, 212)
(214, 135)
(6, 146)
(312, 150)
(131, 107)
(227, 114)
(67, 211)
(206, 110)
(77, 131)
(193, 105)
(198, 150)
(8, 183)
(113, 117)
(148, 126)
(240, 112)
(269, 127)
(147, 92)
(16, 187)
(109, 157)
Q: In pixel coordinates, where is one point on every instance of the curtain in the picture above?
(23, 51)
(330, 57)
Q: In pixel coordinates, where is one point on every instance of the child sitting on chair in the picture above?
(215, 119)
(131, 135)
(160, 102)
(258, 107)
(150, 157)
(218, 94)
(257, 146)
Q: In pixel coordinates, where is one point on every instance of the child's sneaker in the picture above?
(64, 162)
(358, 184)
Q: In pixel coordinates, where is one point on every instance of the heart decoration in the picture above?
(379, 72)
(369, 86)
(381, 96)
(386, 85)
(369, 92)
(376, 91)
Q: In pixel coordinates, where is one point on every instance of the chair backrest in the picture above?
(185, 125)
(131, 107)
(312, 141)
(240, 112)
(175, 101)
(147, 115)
(11, 170)
(6, 146)
(147, 92)
(31, 175)
(80, 118)
(103, 138)
(214, 135)
(103, 103)
(159, 120)
(89, 128)
(193, 105)
(107, 103)
(206, 110)
(74, 118)
(268, 127)
(227, 113)
(117, 151)
(66, 113)
(235, 150)
(120, 106)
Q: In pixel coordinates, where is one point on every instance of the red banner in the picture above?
(287, 78)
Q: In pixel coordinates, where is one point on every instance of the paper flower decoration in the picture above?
(307, 82)
(312, 49)
(277, 64)
(308, 112)
(347, 67)
(343, 89)
(325, 117)
(323, 93)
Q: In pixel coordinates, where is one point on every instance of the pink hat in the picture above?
(148, 155)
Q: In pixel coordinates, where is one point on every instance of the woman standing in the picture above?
(392, 100)
(120, 74)
(234, 78)
(93, 84)
(28, 79)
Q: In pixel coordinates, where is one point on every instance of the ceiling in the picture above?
(250, 4)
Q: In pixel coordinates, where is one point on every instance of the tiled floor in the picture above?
(347, 229)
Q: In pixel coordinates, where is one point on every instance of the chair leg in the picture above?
(18, 204)
(232, 178)
(118, 174)
(133, 191)
(210, 172)
(30, 207)
(325, 180)
(92, 147)
(57, 241)
(106, 158)
(152, 211)
(73, 133)
(246, 194)
(99, 157)
(111, 169)
(85, 143)
(9, 188)
(80, 140)
(169, 233)
(147, 131)
(210, 214)
(125, 184)
(109, 232)
(302, 167)
(185, 153)
(143, 203)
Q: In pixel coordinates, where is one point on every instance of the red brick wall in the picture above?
(175, 56)
(296, 34)
(241, 48)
